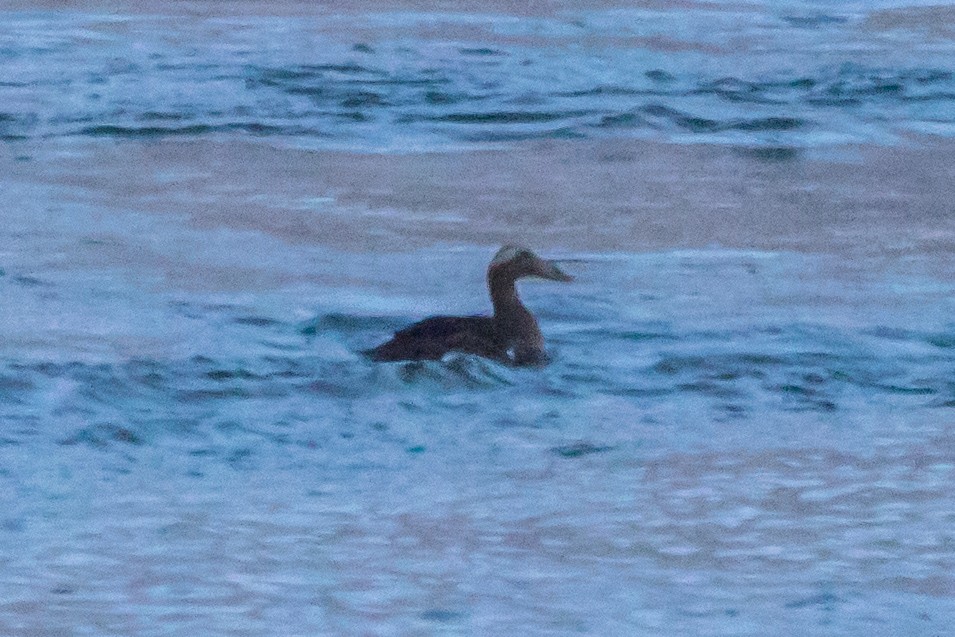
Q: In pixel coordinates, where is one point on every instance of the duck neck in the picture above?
(507, 305)
(513, 319)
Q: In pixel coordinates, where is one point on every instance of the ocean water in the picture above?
(765, 74)
(728, 441)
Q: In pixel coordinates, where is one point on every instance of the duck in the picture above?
(510, 335)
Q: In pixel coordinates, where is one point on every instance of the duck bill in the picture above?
(549, 270)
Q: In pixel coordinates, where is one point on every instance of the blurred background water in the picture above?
(790, 74)
(731, 440)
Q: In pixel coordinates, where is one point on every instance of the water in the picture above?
(744, 439)
(790, 74)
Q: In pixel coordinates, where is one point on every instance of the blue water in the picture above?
(786, 74)
(728, 441)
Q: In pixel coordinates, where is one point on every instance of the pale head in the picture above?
(517, 262)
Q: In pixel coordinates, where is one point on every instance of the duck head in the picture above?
(514, 262)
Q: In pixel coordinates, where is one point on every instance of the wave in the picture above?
(738, 375)
(368, 97)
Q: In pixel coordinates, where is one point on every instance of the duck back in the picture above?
(434, 337)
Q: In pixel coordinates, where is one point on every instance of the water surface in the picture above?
(790, 74)
(747, 428)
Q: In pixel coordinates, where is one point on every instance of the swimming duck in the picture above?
(510, 336)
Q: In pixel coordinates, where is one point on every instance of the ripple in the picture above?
(369, 97)
(579, 449)
(103, 435)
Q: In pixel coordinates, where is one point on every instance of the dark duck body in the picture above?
(510, 336)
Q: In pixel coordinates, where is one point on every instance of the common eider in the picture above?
(511, 336)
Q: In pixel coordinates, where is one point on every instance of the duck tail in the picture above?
(385, 352)
(374, 354)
